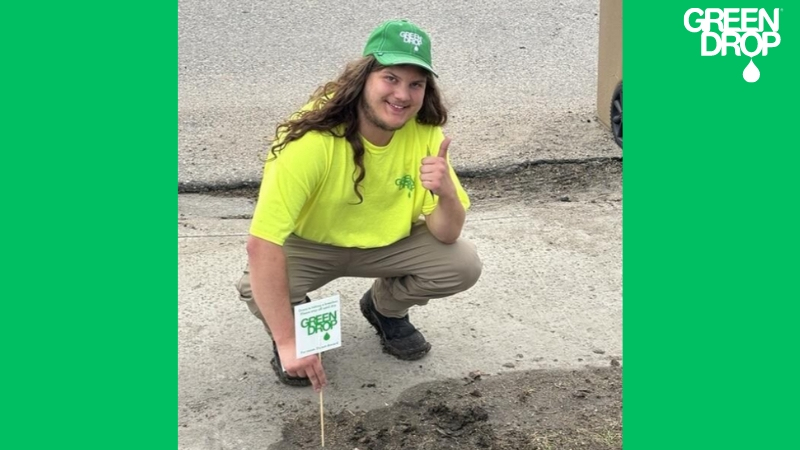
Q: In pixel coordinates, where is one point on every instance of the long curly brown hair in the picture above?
(335, 110)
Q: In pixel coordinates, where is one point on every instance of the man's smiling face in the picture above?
(392, 96)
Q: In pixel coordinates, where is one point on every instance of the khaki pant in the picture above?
(409, 272)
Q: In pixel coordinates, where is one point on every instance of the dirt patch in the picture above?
(549, 181)
(533, 410)
(586, 180)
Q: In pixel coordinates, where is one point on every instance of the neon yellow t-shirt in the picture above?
(308, 190)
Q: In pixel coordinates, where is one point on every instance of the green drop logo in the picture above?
(327, 336)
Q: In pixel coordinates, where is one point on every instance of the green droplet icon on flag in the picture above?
(327, 336)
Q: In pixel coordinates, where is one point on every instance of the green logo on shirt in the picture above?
(405, 182)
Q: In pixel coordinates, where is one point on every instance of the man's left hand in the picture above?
(435, 173)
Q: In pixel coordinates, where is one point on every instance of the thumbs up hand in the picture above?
(435, 173)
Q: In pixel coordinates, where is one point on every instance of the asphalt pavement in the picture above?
(519, 77)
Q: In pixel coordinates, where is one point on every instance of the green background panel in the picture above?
(89, 181)
(710, 236)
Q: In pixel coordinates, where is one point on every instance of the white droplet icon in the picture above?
(751, 73)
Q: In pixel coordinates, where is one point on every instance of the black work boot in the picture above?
(275, 362)
(398, 336)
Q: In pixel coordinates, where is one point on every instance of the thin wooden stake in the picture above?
(321, 413)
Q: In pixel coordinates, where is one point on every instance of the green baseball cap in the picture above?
(397, 42)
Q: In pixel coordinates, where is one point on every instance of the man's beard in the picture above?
(373, 118)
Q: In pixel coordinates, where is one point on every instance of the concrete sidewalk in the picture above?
(550, 297)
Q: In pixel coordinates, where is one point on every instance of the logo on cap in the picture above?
(411, 38)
